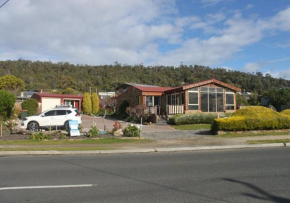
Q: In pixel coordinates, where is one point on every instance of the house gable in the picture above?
(211, 81)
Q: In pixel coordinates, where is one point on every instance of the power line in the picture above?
(4, 3)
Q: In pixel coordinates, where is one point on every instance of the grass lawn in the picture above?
(73, 142)
(55, 148)
(233, 135)
(66, 145)
(268, 141)
(192, 127)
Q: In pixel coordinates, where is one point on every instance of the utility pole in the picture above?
(91, 91)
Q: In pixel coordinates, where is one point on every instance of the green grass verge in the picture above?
(55, 149)
(267, 141)
(73, 142)
(233, 135)
(192, 127)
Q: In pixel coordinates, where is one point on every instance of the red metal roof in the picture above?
(59, 95)
(152, 88)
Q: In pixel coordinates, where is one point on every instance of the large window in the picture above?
(182, 98)
(230, 100)
(212, 99)
(193, 103)
(153, 100)
(174, 99)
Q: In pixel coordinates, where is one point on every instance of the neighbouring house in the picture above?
(139, 94)
(105, 95)
(246, 95)
(47, 100)
(25, 95)
(207, 96)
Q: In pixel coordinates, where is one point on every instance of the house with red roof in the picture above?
(210, 96)
(47, 100)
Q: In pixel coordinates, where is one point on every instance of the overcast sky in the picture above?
(244, 35)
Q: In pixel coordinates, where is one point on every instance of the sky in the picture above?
(245, 35)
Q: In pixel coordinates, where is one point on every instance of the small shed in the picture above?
(47, 100)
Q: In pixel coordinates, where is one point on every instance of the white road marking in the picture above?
(45, 187)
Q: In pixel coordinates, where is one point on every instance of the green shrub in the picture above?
(194, 118)
(101, 112)
(94, 131)
(7, 101)
(252, 118)
(132, 119)
(30, 105)
(62, 136)
(40, 136)
(131, 131)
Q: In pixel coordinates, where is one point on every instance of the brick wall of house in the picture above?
(131, 95)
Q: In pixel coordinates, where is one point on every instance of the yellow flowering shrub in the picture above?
(252, 118)
(286, 112)
(256, 111)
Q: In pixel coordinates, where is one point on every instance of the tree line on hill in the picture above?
(70, 78)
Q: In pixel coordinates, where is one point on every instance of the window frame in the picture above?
(194, 90)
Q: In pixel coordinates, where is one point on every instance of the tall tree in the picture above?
(7, 101)
(95, 103)
(87, 104)
(11, 83)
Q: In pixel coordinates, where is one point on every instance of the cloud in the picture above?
(207, 3)
(249, 6)
(252, 67)
(283, 45)
(128, 31)
(285, 74)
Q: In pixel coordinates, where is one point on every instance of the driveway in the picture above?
(88, 121)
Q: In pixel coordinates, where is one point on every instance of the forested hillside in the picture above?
(47, 75)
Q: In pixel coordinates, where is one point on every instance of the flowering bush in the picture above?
(116, 126)
(252, 118)
(286, 112)
(131, 131)
(10, 124)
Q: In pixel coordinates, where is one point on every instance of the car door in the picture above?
(61, 117)
(47, 119)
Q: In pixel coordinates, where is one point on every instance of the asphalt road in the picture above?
(255, 175)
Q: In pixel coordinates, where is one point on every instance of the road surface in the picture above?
(254, 175)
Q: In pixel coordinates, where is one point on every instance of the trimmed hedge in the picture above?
(195, 118)
(286, 112)
(252, 118)
(256, 111)
(241, 123)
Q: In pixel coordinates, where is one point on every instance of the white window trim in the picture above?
(152, 100)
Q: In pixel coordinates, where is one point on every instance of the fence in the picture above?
(174, 109)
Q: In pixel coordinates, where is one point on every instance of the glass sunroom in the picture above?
(209, 98)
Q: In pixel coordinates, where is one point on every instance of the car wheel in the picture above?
(66, 126)
(33, 126)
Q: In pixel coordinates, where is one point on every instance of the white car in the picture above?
(55, 118)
